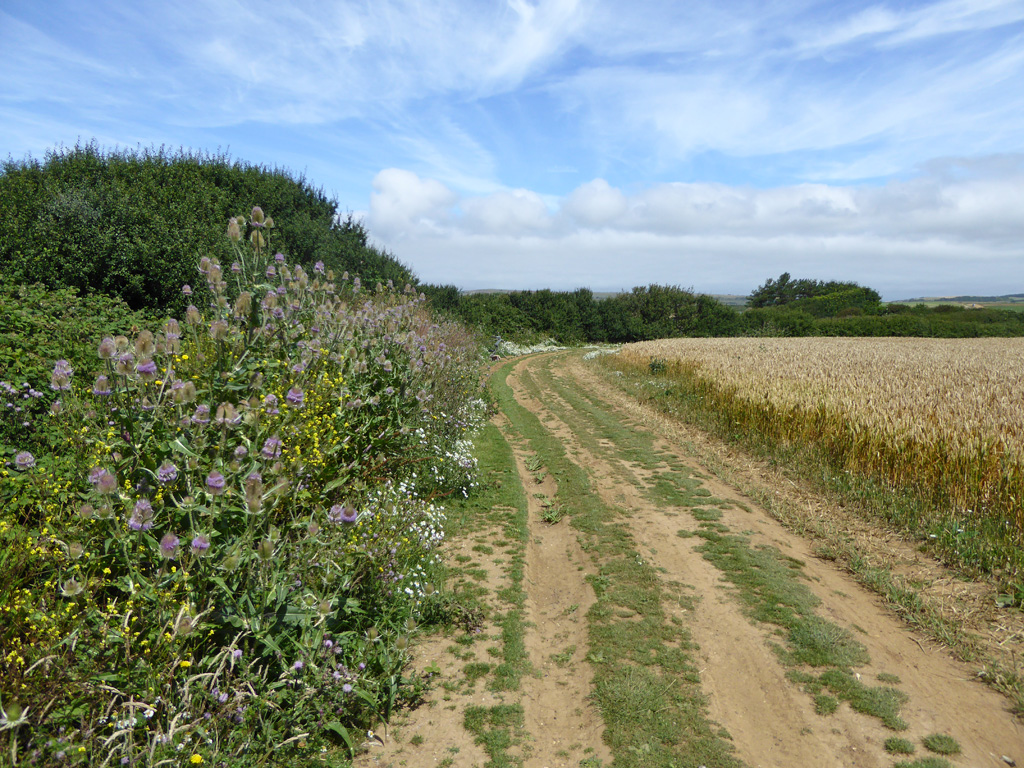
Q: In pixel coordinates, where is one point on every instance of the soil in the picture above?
(772, 723)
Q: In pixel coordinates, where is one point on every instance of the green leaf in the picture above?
(340, 730)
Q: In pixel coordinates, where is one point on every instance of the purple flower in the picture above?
(169, 545)
(270, 404)
(347, 688)
(186, 289)
(279, 258)
(236, 654)
(271, 270)
(200, 544)
(298, 665)
(271, 448)
(167, 473)
(61, 376)
(278, 313)
(319, 267)
(223, 698)
(215, 483)
(146, 369)
(342, 513)
(103, 480)
(295, 396)
(107, 349)
(102, 386)
(142, 517)
(24, 460)
(202, 415)
(236, 268)
(241, 452)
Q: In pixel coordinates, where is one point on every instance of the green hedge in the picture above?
(134, 224)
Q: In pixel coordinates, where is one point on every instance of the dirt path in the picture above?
(748, 689)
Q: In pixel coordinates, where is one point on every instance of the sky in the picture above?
(709, 144)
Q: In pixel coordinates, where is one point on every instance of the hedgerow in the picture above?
(228, 558)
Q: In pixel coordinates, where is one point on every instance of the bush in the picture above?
(232, 552)
(135, 224)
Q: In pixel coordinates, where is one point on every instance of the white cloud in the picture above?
(517, 213)
(595, 204)
(402, 202)
(957, 224)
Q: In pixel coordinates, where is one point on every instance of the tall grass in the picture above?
(943, 419)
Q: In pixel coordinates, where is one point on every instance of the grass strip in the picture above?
(645, 681)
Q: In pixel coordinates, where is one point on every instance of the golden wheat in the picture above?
(947, 413)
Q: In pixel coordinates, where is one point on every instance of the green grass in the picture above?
(497, 729)
(894, 745)
(926, 762)
(941, 744)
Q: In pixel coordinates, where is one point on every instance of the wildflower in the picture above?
(295, 396)
(56, 407)
(271, 447)
(75, 550)
(24, 461)
(265, 550)
(347, 688)
(186, 290)
(236, 268)
(201, 415)
(219, 330)
(142, 517)
(167, 473)
(236, 654)
(226, 414)
(234, 231)
(196, 759)
(319, 267)
(271, 270)
(241, 452)
(107, 349)
(102, 386)
(223, 698)
(270, 404)
(343, 513)
(243, 304)
(146, 369)
(61, 376)
(172, 330)
(145, 344)
(124, 364)
(254, 492)
(256, 217)
(215, 483)
(200, 546)
(169, 545)
(297, 666)
(192, 316)
(184, 393)
(103, 480)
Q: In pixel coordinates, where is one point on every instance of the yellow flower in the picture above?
(196, 759)
(185, 665)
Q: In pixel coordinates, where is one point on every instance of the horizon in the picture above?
(559, 143)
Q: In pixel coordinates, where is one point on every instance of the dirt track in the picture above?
(770, 720)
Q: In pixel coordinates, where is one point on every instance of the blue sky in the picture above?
(563, 143)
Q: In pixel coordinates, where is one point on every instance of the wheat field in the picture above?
(945, 416)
